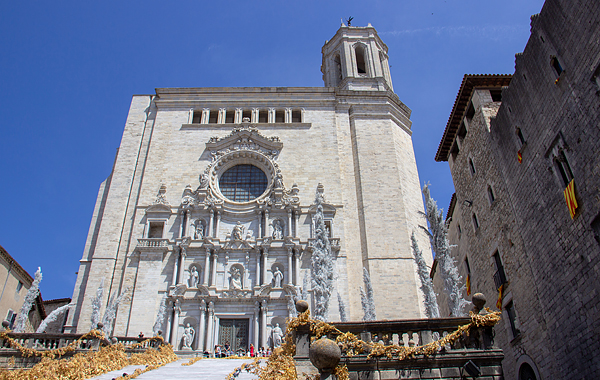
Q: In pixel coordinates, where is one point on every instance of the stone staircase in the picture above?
(205, 369)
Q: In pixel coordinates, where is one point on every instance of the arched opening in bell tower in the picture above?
(361, 66)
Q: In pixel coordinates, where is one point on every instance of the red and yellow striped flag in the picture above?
(570, 198)
(468, 284)
(499, 302)
(519, 156)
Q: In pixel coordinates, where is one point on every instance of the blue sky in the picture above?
(68, 70)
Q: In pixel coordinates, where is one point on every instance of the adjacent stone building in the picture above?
(15, 284)
(211, 200)
(523, 151)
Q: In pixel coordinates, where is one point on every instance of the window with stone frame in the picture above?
(491, 196)
(520, 137)
(155, 230)
(471, 166)
(512, 319)
(499, 275)
(361, 66)
(475, 222)
(556, 65)
(213, 116)
(197, 117)
(596, 228)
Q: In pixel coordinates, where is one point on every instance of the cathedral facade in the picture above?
(210, 205)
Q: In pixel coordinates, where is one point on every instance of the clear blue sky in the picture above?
(68, 70)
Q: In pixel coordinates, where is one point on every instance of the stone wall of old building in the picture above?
(549, 114)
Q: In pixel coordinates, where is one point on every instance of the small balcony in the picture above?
(152, 244)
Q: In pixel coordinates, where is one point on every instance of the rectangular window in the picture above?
(459, 230)
(520, 136)
(263, 116)
(197, 117)
(454, 150)
(213, 116)
(470, 112)
(11, 316)
(229, 116)
(19, 286)
(328, 226)
(467, 266)
(556, 65)
(496, 94)
(296, 116)
(562, 167)
(471, 166)
(512, 319)
(279, 116)
(475, 222)
(248, 114)
(156, 230)
(499, 276)
(491, 196)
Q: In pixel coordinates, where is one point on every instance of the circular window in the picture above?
(243, 183)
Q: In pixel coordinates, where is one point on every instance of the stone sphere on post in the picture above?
(301, 306)
(324, 354)
(479, 301)
(100, 325)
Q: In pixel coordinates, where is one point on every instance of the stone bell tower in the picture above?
(356, 59)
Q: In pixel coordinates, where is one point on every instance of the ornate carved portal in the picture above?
(235, 333)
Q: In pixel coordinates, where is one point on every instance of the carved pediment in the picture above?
(245, 137)
(158, 208)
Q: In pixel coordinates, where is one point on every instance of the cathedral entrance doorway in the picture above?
(235, 333)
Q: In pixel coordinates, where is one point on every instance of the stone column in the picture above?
(175, 325)
(254, 118)
(205, 116)
(267, 231)
(183, 255)
(181, 220)
(210, 232)
(237, 118)
(213, 281)
(271, 115)
(188, 222)
(297, 216)
(289, 224)
(256, 325)
(221, 117)
(257, 282)
(209, 329)
(264, 266)
(206, 267)
(263, 323)
(175, 268)
(288, 115)
(201, 327)
(217, 223)
(297, 267)
(260, 229)
(289, 266)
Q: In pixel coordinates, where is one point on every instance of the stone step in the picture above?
(208, 369)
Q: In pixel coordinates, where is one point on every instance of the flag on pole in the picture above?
(468, 284)
(519, 156)
(570, 198)
(499, 302)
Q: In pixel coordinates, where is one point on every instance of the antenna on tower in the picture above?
(349, 20)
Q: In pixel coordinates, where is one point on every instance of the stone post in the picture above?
(271, 115)
(188, 223)
(205, 116)
(201, 327)
(290, 252)
(175, 268)
(181, 221)
(260, 229)
(254, 115)
(297, 216)
(289, 223)
(206, 267)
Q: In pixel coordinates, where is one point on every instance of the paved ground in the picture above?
(208, 369)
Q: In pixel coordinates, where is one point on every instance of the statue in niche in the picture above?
(194, 277)
(199, 230)
(188, 337)
(276, 336)
(238, 232)
(236, 278)
(277, 277)
(277, 229)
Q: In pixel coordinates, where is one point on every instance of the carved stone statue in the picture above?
(278, 181)
(199, 230)
(203, 181)
(277, 229)
(194, 277)
(236, 278)
(188, 337)
(276, 336)
(277, 277)
(238, 232)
